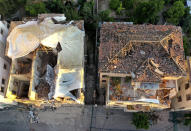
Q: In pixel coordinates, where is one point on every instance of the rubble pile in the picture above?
(163, 96)
(45, 67)
(42, 89)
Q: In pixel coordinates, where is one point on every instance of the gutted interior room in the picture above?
(20, 88)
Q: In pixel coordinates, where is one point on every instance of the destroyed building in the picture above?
(182, 100)
(47, 59)
(140, 65)
(4, 61)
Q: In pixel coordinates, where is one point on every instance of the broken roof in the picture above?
(32, 33)
(51, 34)
(148, 51)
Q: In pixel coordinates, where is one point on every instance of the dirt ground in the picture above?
(90, 69)
(93, 94)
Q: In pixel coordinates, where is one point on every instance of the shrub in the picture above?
(120, 8)
(116, 80)
(114, 4)
(187, 119)
(104, 15)
(34, 9)
(141, 120)
(55, 6)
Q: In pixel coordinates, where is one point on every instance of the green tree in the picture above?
(174, 14)
(187, 119)
(141, 120)
(120, 8)
(147, 11)
(33, 9)
(55, 6)
(128, 4)
(8, 7)
(114, 4)
(71, 13)
(187, 25)
(104, 15)
(187, 46)
(87, 12)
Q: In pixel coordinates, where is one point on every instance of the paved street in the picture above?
(77, 118)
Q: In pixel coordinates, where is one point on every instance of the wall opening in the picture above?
(20, 88)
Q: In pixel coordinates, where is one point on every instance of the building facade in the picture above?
(182, 100)
(4, 61)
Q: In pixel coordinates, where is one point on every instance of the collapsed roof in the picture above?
(149, 52)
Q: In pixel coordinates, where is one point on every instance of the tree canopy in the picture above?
(141, 120)
(174, 14)
(187, 119)
(187, 25)
(114, 4)
(54, 6)
(33, 9)
(10, 6)
(129, 4)
(104, 15)
(186, 45)
(147, 11)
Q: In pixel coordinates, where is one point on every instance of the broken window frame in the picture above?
(187, 85)
(188, 97)
(104, 76)
(2, 89)
(104, 81)
(5, 66)
(179, 88)
(1, 31)
(179, 99)
(3, 81)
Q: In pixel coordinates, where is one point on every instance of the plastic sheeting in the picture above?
(49, 76)
(27, 37)
(68, 80)
(149, 100)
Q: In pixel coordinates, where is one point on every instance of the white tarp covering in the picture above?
(49, 76)
(149, 100)
(68, 80)
(27, 37)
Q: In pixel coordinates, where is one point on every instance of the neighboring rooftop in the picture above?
(149, 52)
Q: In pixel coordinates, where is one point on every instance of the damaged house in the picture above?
(140, 65)
(47, 59)
(182, 100)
